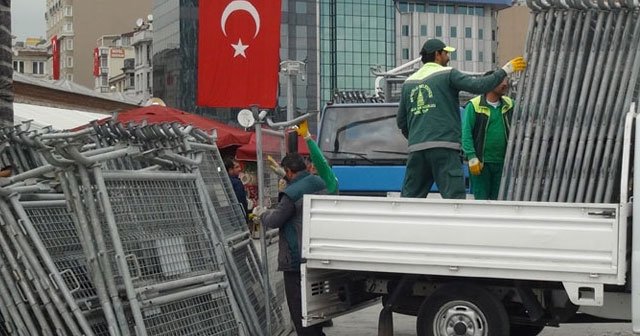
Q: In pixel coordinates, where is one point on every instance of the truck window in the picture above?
(366, 134)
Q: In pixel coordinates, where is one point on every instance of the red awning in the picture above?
(227, 135)
(270, 145)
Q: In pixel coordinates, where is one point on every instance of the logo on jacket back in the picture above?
(421, 99)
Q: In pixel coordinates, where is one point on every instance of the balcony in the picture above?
(141, 36)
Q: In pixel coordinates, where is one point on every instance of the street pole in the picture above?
(291, 69)
(259, 117)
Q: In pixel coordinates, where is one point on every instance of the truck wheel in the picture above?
(525, 330)
(462, 310)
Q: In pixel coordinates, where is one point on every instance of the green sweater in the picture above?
(428, 115)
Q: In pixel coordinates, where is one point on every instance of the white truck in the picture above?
(466, 267)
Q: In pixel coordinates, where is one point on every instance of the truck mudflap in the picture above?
(563, 242)
(327, 294)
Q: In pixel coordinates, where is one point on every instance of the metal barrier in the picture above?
(565, 143)
(126, 230)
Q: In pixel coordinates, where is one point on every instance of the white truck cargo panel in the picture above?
(511, 240)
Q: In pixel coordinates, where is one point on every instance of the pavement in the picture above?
(364, 323)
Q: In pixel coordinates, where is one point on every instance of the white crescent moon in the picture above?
(240, 5)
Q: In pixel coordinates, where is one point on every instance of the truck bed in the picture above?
(564, 242)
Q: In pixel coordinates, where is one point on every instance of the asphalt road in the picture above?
(364, 323)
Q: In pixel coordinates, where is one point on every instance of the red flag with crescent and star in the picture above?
(238, 53)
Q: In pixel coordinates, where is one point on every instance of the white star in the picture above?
(239, 49)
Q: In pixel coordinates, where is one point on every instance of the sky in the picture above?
(27, 19)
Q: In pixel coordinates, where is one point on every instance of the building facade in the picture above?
(468, 26)
(109, 59)
(354, 36)
(30, 57)
(73, 26)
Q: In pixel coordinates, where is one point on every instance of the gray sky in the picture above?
(27, 19)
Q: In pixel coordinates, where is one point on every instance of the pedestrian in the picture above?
(485, 130)
(233, 169)
(287, 217)
(429, 117)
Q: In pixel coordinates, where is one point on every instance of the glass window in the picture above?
(371, 131)
(454, 56)
(405, 30)
(449, 9)
(70, 77)
(405, 53)
(420, 7)
(438, 31)
(68, 11)
(480, 34)
(467, 55)
(403, 7)
(493, 35)
(69, 61)
(493, 58)
(432, 9)
(423, 30)
(467, 32)
(479, 11)
(301, 7)
(454, 32)
(480, 56)
(68, 43)
(461, 10)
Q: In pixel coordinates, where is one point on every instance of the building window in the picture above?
(493, 35)
(480, 56)
(405, 30)
(68, 43)
(403, 7)
(480, 34)
(438, 31)
(68, 27)
(38, 68)
(493, 58)
(467, 55)
(68, 11)
(104, 81)
(432, 9)
(70, 77)
(69, 61)
(148, 88)
(132, 81)
(454, 31)
(103, 61)
(405, 53)
(454, 56)
(467, 32)
(479, 11)
(423, 30)
(18, 66)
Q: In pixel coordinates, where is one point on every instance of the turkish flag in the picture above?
(238, 53)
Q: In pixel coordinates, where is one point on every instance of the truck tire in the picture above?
(525, 330)
(462, 309)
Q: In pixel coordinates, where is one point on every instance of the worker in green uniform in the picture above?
(485, 130)
(429, 117)
(317, 158)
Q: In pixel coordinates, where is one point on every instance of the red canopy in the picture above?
(270, 145)
(227, 135)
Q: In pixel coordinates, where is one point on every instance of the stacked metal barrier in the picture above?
(126, 230)
(565, 143)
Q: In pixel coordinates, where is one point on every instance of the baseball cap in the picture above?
(433, 45)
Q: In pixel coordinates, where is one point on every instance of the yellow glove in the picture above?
(515, 65)
(303, 129)
(475, 166)
(275, 166)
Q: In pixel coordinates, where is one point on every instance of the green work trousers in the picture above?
(440, 165)
(487, 185)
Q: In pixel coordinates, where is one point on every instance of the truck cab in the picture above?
(364, 146)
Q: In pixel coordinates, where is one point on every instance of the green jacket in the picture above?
(322, 166)
(483, 129)
(428, 115)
